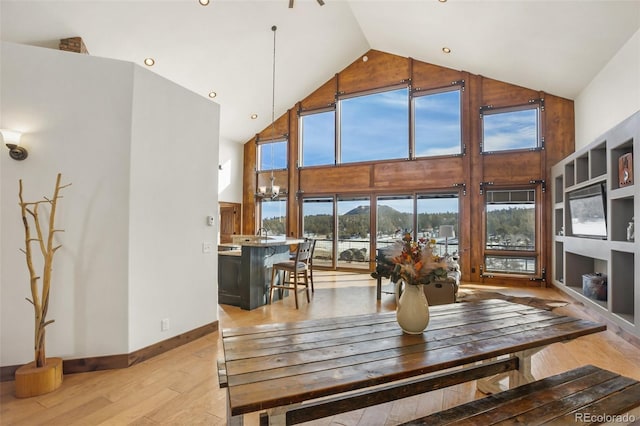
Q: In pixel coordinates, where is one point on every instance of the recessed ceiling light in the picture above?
(254, 116)
(149, 62)
(442, 1)
(203, 2)
(212, 94)
(365, 58)
(446, 50)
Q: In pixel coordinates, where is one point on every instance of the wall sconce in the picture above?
(12, 140)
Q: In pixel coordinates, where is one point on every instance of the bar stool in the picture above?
(293, 270)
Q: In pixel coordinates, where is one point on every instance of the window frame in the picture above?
(301, 114)
(339, 122)
(536, 254)
(260, 216)
(418, 93)
(264, 142)
(533, 104)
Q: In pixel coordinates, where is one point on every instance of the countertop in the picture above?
(234, 249)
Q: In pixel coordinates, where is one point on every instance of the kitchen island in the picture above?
(244, 268)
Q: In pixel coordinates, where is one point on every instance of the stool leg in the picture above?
(273, 276)
(306, 284)
(295, 287)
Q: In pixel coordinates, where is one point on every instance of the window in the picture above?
(374, 126)
(394, 217)
(318, 222)
(272, 155)
(510, 240)
(273, 216)
(318, 138)
(353, 232)
(437, 123)
(510, 128)
(434, 210)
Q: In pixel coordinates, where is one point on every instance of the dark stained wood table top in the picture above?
(275, 365)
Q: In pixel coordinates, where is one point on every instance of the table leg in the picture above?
(522, 375)
(379, 288)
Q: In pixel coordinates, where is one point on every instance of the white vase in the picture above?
(412, 309)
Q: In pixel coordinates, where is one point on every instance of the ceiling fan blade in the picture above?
(290, 4)
(321, 2)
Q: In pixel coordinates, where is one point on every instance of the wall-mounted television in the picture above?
(588, 211)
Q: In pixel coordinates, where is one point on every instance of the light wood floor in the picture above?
(180, 387)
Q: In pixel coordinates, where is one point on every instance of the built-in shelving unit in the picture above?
(575, 254)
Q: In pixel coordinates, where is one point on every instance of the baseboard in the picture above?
(111, 362)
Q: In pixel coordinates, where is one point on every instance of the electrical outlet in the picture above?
(207, 247)
(164, 324)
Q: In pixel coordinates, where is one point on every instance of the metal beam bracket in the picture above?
(463, 185)
(541, 182)
(458, 83)
(483, 184)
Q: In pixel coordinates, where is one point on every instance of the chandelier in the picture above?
(272, 191)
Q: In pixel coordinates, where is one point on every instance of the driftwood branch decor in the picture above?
(42, 240)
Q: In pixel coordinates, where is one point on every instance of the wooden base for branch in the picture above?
(33, 381)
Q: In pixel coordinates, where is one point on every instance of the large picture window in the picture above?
(437, 123)
(374, 126)
(272, 155)
(318, 138)
(511, 128)
(510, 240)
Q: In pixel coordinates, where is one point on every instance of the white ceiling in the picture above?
(556, 46)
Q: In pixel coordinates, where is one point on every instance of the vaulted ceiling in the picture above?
(557, 46)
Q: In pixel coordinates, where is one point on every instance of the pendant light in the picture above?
(274, 190)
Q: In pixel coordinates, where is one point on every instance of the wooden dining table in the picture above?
(308, 369)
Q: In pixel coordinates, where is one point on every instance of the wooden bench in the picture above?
(368, 397)
(586, 395)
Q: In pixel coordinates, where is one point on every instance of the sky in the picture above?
(376, 126)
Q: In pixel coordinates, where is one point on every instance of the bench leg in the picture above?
(278, 416)
(233, 420)
(522, 375)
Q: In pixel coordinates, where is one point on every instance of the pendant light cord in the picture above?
(273, 104)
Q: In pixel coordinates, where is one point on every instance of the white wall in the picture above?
(230, 177)
(81, 118)
(173, 189)
(612, 96)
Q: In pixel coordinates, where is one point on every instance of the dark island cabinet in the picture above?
(229, 278)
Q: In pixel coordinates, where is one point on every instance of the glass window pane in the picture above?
(353, 232)
(434, 210)
(272, 155)
(318, 138)
(510, 264)
(437, 124)
(318, 223)
(511, 220)
(274, 216)
(510, 130)
(375, 127)
(394, 218)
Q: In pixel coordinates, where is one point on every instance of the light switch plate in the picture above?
(207, 247)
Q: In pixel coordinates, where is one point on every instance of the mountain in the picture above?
(385, 210)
